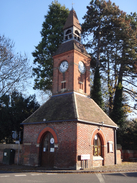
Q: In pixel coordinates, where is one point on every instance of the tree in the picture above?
(113, 45)
(52, 36)
(98, 32)
(13, 67)
(96, 93)
(127, 135)
(118, 114)
(15, 110)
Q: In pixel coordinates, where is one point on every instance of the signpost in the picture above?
(84, 157)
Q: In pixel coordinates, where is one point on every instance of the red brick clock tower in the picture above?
(69, 130)
(71, 62)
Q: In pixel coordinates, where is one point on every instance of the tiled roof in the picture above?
(88, 110)
(71, 45)
(70, 106)
(60, 107)
(72, 20)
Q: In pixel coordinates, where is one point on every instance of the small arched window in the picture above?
(66, 37)
(68, 31)
(97, 146)
(77, 32)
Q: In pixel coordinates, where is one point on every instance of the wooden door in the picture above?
(47, 155)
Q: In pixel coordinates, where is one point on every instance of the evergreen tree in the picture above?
(127, 135)
(118, 115)
(98, 30)
(52, 36)
(113, 45)
(15, 109)
(96, 93)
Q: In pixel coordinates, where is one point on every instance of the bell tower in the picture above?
(71, 69)
(72, 28)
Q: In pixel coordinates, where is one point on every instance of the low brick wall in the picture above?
(97, 163)
(18, 152)
(119, 160)
(126, 154)
(129, 155)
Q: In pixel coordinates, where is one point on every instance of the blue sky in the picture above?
(21, 20)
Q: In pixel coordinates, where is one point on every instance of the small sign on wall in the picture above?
(5, 153)
(44, 149)
(110, 146)
(85, 156)
(51, 149)
(56, 145)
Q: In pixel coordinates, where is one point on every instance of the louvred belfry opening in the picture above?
(72, 28)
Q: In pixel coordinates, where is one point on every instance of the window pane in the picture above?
(99, 151)
(95, 151)
(97, 146)
(99, 141)
(95, 142)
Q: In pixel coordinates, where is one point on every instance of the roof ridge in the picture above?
(77, 116)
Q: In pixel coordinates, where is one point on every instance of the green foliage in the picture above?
(118, 115)
(111, 37)
(52, 36)
(127, 135)
(15, 109)
(96, 93)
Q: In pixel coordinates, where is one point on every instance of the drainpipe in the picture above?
(115, 145)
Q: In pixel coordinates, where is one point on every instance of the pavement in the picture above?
(123, 167)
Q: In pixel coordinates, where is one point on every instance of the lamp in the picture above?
(101, 124)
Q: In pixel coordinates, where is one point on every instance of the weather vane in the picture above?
(72, 4)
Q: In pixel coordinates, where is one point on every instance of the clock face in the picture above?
(81, 67)
(52, 140)
(63, 66)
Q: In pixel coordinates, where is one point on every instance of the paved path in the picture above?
(123, 167)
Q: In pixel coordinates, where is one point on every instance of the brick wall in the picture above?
(72, 75)
(73, 139)
(97, 163)
(119, 160)
(64, 154)
(85, 136)
(129, 155)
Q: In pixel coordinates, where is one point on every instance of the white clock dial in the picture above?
(81, 67)
(63, 66)
(52, 140)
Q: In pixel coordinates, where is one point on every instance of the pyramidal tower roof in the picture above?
(70, 107)
(72, 20)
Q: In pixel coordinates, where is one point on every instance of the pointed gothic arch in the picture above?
(103, 143)
(44, 131)
(101, 135)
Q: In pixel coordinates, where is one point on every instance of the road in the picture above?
(68, 178)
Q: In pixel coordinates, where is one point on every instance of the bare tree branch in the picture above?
(14, 68)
